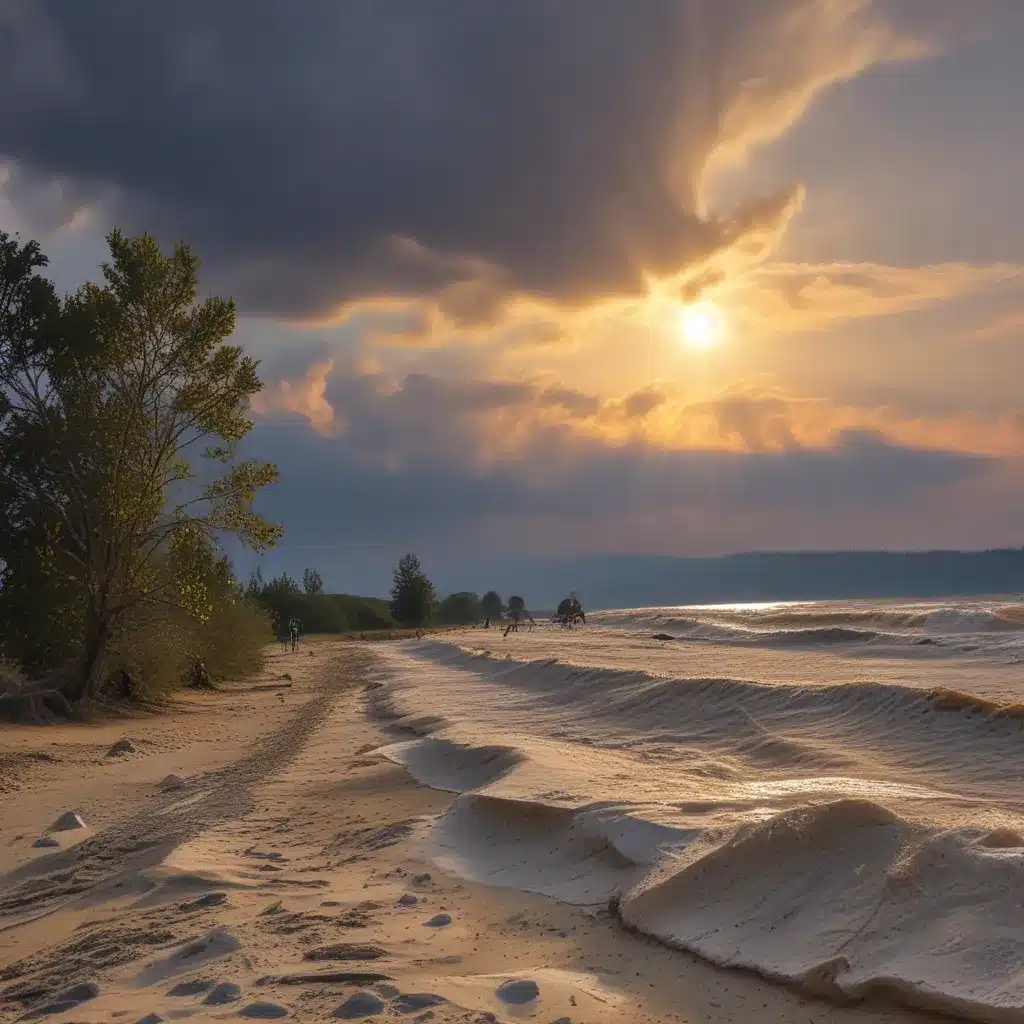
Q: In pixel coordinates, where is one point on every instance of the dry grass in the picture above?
(159, 654)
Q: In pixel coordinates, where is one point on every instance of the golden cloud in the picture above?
(306, 397)
(495, 421)
(1004, 326)
(785, 297)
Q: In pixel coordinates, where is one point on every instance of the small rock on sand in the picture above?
(122, 746)
(423, 879)
(67, 822)
(150, 1018)
(439, 921)
(662, 636)
(518, 992)
(225, 992)
(263, 1011)
(407, 899)
(171, 782)
(386, 990)
(44, 841)
(358, 1006)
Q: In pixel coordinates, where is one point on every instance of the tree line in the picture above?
(414, 600)
(414, 603)
(285, 598)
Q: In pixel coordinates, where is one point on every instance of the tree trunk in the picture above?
(86, 682)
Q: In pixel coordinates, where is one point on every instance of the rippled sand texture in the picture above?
(843, 808)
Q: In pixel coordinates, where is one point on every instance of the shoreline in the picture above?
(292, 850)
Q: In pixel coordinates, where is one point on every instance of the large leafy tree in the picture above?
(412, 593)
(122, 407)
(490, 605)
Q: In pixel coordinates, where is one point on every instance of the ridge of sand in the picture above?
(288, 877)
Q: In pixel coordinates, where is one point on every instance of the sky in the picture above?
(537, 278)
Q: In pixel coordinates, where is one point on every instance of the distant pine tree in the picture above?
(412, 593)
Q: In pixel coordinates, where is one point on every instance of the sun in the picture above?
(701, 324)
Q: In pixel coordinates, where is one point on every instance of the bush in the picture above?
(462, 609)
(364, 613)
(158, 653)
(233, 642)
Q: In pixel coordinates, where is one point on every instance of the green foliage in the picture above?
(461, 609)
(491, 605)
(109, 397)
(159, 647)
(364, 613)
(412, 594)
(312, 582)
(284, 599)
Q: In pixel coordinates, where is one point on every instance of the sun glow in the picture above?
(701, 325)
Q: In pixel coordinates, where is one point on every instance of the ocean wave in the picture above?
(735, 708)
(822, 624)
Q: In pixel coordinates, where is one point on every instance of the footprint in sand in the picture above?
(411, 1002)
(190, 988)
(209, 899)
(217, 943)
(263, 1011)
(67, 1000)
(225, 992)
(358, 1006)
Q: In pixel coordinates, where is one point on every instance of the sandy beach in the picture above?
(252, 857)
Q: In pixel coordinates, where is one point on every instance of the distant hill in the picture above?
(619, 581)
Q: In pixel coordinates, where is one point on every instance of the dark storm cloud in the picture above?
(407, 471)
(319, 150)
